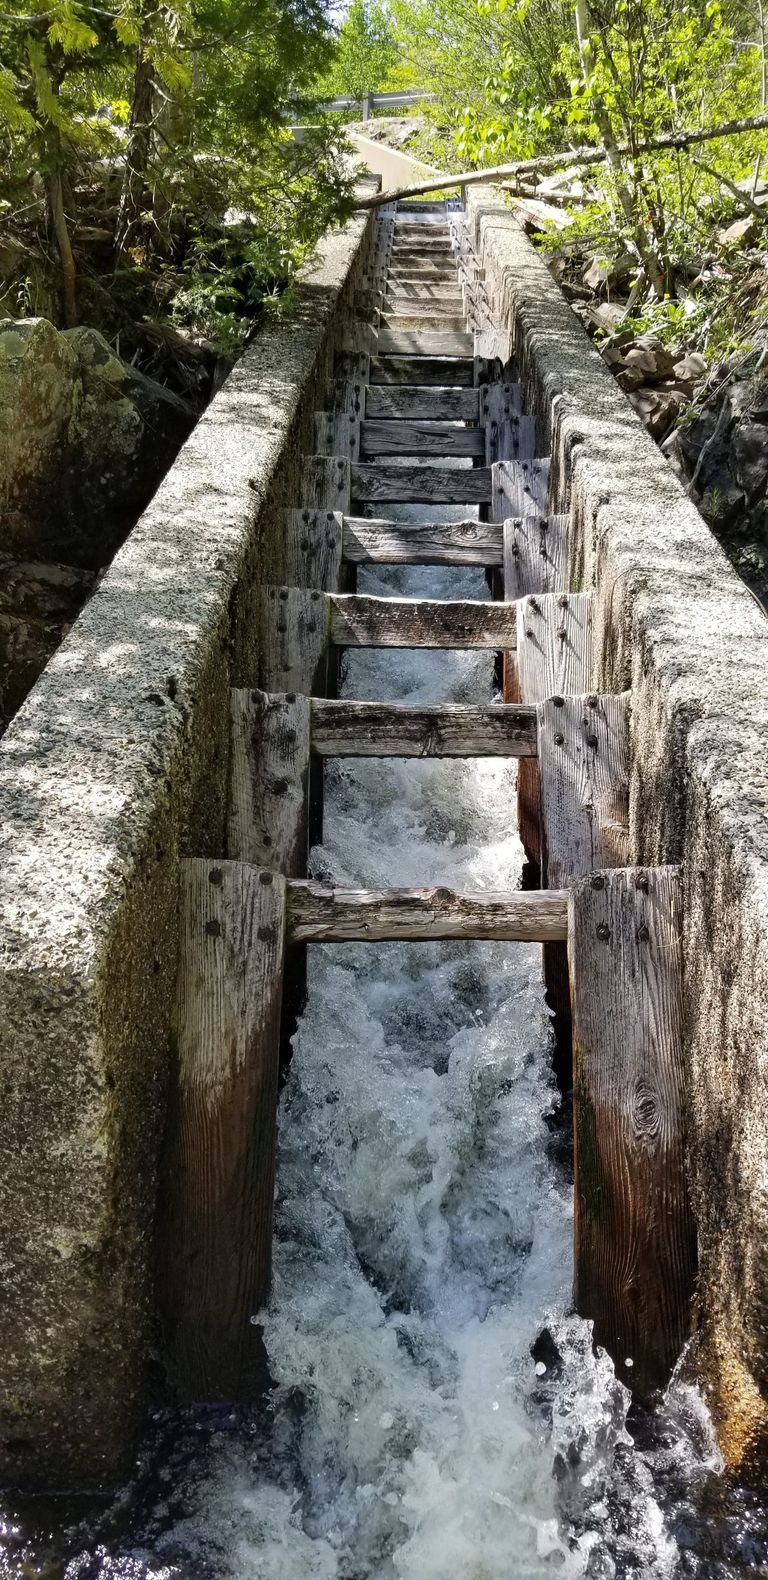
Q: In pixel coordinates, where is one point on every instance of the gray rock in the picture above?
(84, 442)
(749, 450)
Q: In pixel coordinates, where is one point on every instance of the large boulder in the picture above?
(84, 442)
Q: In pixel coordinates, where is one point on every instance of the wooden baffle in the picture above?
(635, 1243)
(220, 1160)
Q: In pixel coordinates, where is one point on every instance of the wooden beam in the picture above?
(420, 622)
(314, 548)
(324, 483)
(635, 1243)
(319, 914)
(390, 729)
(554, 644)
(293, 640)
(437, 543)
(584, 774)
(423, 343)
(535, 555)
(432, 321)
(352, 367)
(419, 439)
(425, 371)
(520, 488)
(434, 485)
(220, 1160)
(406, 401)
(269, 781)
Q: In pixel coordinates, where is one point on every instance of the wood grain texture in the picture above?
(293, 640)
(499, 401)
(554, 644)
(423, 343)
(419, 439)
(314, 548)
(324, 483)
(584, 773)
(269, 781)
(438, 485)
(424, 371)
(391, 729)
(352, 367)
(554, 657)
(432, 319)
(535, 557)
(407, 401)
(419, 292)
(634, 1233)
(337, 430)
(215, 1267)
(437, 543)
(358, 621)
(520, 488)
(319, 914)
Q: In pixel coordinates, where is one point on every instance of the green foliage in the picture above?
(365, 52)
(171, 121)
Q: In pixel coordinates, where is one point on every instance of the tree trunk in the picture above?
(64, 246)
(133, 198)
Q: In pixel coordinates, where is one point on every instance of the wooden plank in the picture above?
(361, 621)
(319, 914)
(314, 548)
(422, 343)
(554, 644)
(418, 293)
(435, 485)
(351, 367)
(324, 483)
(390, 729)
(293, 640)
(337, 434)
(269, 781)
(220, 1160)
(431, 322)
(635, 1243)
(419, 438)
(500, 401)
(405, 401)
(554, 657)
(535, 557)
(584, 772)
(512, 439)
(424, 371)
(520, 488)
(436, 543)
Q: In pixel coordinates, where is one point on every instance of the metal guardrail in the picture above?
(380, 101)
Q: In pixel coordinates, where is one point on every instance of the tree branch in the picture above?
(573, 156)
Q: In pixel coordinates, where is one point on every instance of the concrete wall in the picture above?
(396, 168)
(676, 626)
(113, 769)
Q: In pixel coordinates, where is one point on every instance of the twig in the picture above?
(741, 197)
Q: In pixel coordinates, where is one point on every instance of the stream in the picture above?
(437, 1411)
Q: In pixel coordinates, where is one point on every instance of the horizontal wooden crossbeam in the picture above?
(420, 438)
(366, 541)
(410, 402)
(425, 485)
(359, 621)
(320, 914)
(444, 371)
(394, 729)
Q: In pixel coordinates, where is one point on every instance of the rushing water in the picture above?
(438, 1413)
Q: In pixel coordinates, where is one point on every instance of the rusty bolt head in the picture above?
(597, 881)
(603, 931)
(558, 702)
(216, 877)
(641, 882)
(559, 739)
(592, 742)
(284, 594)
(213, 929)
(265, 878)
(563, 601)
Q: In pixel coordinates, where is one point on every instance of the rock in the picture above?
(657, 408)
(691, 367)
(84, 441)
(653, 361)
(606, 315)
(749, 448)
(741, 230)
(38, 603)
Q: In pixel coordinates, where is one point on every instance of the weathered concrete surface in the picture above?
(676, 626)
(112, 769)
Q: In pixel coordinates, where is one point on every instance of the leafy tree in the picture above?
(365, 51)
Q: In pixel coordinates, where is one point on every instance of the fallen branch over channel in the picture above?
(543, 163)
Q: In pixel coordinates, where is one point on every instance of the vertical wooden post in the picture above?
(314, 548)
(554, 657)
(293, 638)
(519, 488)
(325, 483)
(269, 781)
(635, 1250)
(216, 1259)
